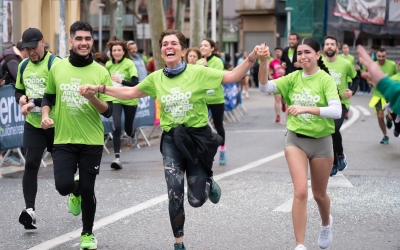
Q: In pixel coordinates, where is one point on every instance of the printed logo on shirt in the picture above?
(120, 76)
(35, 86)
(305, 98)
(96, 167)
(210, 92)
(177, 103)
(336, 76)
(70, 96)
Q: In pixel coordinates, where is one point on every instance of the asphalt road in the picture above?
(254, 211)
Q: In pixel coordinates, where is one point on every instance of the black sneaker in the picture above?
(334, 170)
(215, 192)
(179, 246)
(116, 164)
(28, 219)
(389, 122)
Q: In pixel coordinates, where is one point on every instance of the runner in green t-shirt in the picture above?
(123, 74)
(378, 101)
(313, 103)
(341, 71)
(29, 91)
(182, 90)
(215, 99)
(79, 137)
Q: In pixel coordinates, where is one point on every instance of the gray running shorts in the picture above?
(314, 148)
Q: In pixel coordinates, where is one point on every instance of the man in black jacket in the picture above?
(289, 55)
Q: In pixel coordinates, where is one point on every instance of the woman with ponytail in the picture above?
(313, 103)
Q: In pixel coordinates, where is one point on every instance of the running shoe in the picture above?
(325, 235)
(88, 241)
(222, 157)
(342, 163)
(28, 219)
(179, 246)
(11, 160)
(278, 118)
(116, 164)
(395, 133)
(74, 202)
(283, 107)
(385, 140)
(300, 247)
(389, 122)
(215, 191)
(334, 170)
(346, 116)
(247, 94)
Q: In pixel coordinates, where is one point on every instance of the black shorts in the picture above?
(85, 157)
(38, 137)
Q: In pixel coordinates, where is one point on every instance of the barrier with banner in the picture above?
(11, 120)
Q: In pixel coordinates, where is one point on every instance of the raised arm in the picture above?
(117, 92)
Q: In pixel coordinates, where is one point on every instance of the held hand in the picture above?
(283, 65)
(348, 93)
(46, 123)
(26, 109)
(262, 52)
(22, 100)
(88, 90)
(296, 110)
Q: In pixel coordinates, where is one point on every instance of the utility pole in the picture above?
(101, 5)
(213, 20)
(62, 39)
(1, 26)
(221, 26)
(289, 25)
(120, 21)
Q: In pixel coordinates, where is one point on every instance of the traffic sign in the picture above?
(356, 33)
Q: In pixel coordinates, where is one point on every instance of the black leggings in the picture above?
(130, 112)
(67, 158)
(337, 136)
(217, 111)
(174, 168)
(33, 158)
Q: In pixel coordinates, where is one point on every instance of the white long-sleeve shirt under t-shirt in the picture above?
(334, 109)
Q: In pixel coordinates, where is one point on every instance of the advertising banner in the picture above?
(394, 11)
(367, 11)
(11, 120)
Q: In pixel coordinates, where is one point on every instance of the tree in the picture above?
(155, 10)
(85, 5)
(180, 14)
(196, 22)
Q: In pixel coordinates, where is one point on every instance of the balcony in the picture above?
(251, 7)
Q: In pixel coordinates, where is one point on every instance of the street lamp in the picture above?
(100, 5)
(288, 10)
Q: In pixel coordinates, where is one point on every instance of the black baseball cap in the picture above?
(31, 38)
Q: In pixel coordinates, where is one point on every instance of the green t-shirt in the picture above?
(315, 90)
(218, 96)
(35, 78)
(349, 58)
(125, 69)
(396, 77)
(341, 70)
(183, 97)
(78, 121)
(390, 69)
(290, 54)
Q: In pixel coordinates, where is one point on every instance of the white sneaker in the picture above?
(325, 235)
(300, 247)
(28, 218)
(116, 164)
(247, 95)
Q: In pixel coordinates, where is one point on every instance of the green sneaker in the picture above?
(179, 246)
(74, 202)
(215, 192)
(88, 241)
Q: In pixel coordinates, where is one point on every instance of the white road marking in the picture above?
(258, 131)
(157, 200)
(363, 110)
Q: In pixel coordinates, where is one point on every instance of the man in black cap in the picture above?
(30, 86)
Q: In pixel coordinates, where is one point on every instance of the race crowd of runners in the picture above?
(63, 99)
